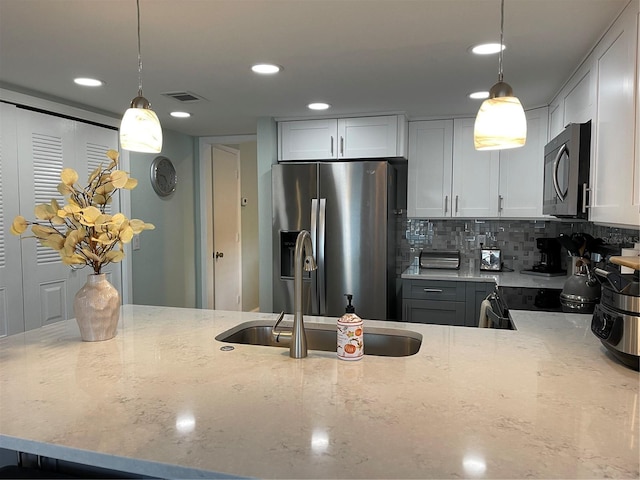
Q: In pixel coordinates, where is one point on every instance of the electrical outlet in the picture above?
(136, 242)
(482, 239)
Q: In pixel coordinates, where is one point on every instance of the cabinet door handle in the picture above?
(342, 146)
(446, 203)
(433, 290)
(585, 189)
(332, 145)
(500, 198)
(456, 204)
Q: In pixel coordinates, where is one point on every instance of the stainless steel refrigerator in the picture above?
(348, 209)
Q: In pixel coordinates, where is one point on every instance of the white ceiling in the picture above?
(358, 55)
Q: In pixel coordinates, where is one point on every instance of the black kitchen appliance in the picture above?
(566, 172)
(520, 298)
(532, 298)
(616, 320)
(550, 258)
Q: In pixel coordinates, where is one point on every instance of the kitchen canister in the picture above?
(350, 334)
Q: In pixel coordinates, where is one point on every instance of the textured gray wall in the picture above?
(516, 238)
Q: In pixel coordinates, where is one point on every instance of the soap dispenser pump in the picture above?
(350, 333)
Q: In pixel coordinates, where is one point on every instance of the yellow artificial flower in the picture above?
(69, 176)
(19, 225)
(81, 230)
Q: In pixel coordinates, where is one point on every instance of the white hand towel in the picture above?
(483, 321)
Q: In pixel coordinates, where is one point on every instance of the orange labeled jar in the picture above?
(350, 334)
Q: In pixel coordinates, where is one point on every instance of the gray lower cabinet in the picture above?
(443, 302)
(476, 293)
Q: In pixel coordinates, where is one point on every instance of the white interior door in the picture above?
(11, 314)
(226, 228)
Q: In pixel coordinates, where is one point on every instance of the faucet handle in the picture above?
(278, 321)
(277, 334)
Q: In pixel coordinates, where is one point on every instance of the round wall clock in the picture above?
(163, 176)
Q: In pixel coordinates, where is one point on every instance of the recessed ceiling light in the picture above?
(487, 48)
(88, 82)
(180, 114)
(318, 106)
(266, 68)
(479, 95)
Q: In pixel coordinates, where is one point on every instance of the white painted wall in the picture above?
(250, 239)
(164, 267)
(267, 156)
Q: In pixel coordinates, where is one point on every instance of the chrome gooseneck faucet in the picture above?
(298, 337)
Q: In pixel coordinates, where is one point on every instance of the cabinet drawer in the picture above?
(436, 290)
(433, 312)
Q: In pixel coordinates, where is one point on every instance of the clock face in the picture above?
(163, 176)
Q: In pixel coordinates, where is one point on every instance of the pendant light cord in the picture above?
(500, 76)
(139, 54)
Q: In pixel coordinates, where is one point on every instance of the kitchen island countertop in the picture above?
(163, 399)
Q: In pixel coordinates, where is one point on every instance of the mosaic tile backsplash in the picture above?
(515, 238)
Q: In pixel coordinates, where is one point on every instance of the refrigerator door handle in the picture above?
(320, 272)
(314, 244)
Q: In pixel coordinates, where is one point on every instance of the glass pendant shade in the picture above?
(500, 124)
(140, 129)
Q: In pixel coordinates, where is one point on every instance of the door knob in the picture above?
(219, 255)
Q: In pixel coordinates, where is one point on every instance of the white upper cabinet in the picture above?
(613, 165)
(605, 90)
(307, 140)
(475, 175)
(343, 138)
(576, 103)
(370, 137)
(429, 170)
(449, 178)
(522, 171)
(579, 103)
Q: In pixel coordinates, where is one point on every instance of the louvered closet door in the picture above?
(11, 315)
(92, 144)
(45, 146)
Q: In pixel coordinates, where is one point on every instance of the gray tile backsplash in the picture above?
(516, 238)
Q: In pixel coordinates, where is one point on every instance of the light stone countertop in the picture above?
(502, 279)
(161, 398)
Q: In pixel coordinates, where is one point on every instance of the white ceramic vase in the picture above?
(97, 309)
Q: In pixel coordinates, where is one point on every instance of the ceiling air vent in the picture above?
(184, 97)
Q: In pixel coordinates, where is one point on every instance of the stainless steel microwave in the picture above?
(566, 172)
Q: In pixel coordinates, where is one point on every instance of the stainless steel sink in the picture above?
(383, 342)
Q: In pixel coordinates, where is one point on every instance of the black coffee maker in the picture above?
(550, 258)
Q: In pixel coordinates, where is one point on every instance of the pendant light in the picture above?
(140, 129)
(501, 122)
